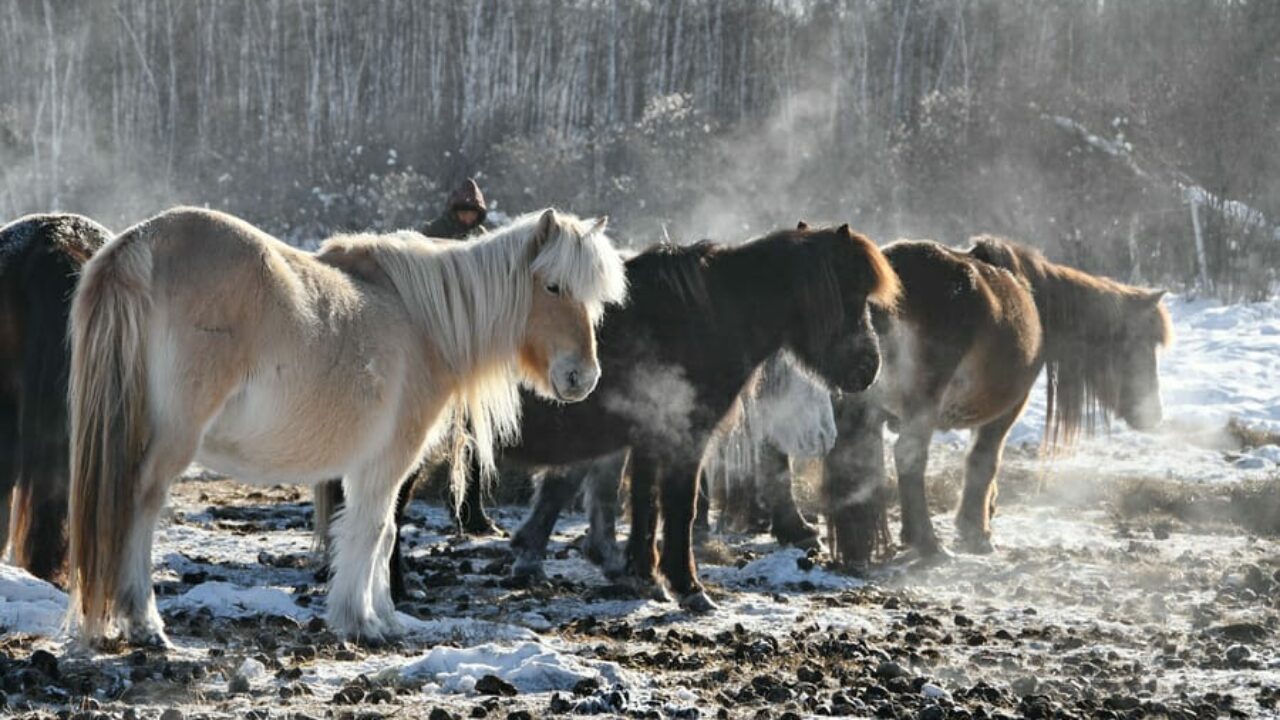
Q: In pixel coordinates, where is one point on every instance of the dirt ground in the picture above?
(1105, 598)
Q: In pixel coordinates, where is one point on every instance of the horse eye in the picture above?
(554, 289)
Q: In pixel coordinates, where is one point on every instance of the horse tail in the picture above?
(39, 514)
(109, 426)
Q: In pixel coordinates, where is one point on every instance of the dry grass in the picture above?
(1247, 436)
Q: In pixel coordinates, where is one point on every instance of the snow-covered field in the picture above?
(1108, 596)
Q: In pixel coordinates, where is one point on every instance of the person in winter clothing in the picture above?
(463, 217)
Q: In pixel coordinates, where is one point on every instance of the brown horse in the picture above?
(40, 260)
(971, 335)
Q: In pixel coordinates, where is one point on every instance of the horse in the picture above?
(700, 320)
(40, 259)
(781, 408)
(972, 333)
(197, 336)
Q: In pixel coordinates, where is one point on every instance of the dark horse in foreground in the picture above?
(972, 333)
(40, 260)
(699, 321)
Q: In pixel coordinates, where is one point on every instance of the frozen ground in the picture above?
(1131, 578)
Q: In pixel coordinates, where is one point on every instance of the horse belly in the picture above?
(267, 434)
(979, 392)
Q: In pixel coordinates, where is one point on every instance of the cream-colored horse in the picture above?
(196, 336)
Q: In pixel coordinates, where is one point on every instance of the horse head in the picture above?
(576, 271)
(1146, 329)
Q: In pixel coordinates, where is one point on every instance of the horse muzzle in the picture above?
(573, 380)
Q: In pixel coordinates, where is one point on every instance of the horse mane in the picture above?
(473, 300)
(1083, 317)
(824, 257)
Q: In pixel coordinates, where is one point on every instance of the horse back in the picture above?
(966, 338)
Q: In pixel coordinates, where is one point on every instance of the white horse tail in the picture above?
(109, 426)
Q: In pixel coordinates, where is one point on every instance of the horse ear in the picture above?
(546, 224)
(1155, 296)
(845, 230)
(802, 225)
(598, 226)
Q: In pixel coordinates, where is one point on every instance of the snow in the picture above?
(780, 569)
(532, 667)
(226, 599)
(29, 605)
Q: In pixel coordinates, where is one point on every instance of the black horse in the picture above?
(700, 319)
(40, 260)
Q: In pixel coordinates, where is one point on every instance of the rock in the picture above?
(521, 715)
(933, 691)
(1237, 655)
(1025, 685)
(441, 714)
(809, 674)
(349, 695)
(494, 685)
(559, 705)
(379, 695)
(45, 662)
(931, 712)
(889, 669)
(171, 714)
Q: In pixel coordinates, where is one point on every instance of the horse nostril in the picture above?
(574, 377)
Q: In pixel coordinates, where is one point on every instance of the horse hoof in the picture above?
(976, 545)
(483, 526)
(152, 640)
(646, 588)
(932, 557)
(531, 573)
(697, 602)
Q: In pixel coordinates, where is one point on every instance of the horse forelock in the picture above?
(582, 260)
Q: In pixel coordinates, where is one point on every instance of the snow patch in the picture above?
(225, 599)
(781, 568)
(532, 667)
(29, 605)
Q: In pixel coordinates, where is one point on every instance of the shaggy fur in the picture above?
(973, 331)
(40, 260)
(197, 336)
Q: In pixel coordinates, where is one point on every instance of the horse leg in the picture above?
(679, 490)
(171, 450)
(604, 477)
(470, 516)
(529, 544)
(853, 481)
(396, 567)
(786, 523)
(911, 456)
(642, 545)
(973, 520)
(360, 605)
(702, 521)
